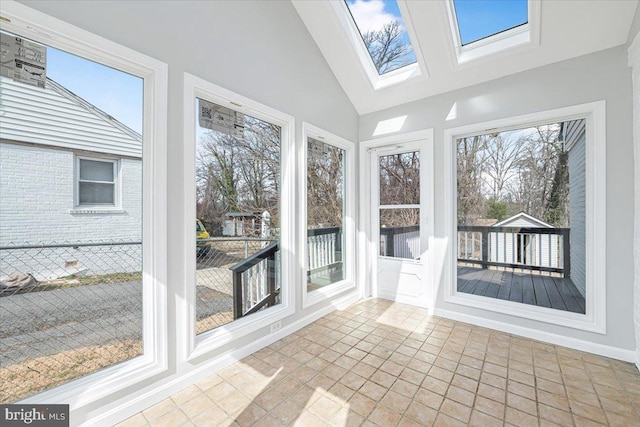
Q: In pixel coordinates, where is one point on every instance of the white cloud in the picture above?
(370, 15)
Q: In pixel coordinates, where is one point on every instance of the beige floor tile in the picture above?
(308, 419)
(138, 420)
(456, 410)
(380, 363)
(373, 391)
(170, 419)
(421, 413)
(520, 419)
(214, 415)
(444, 420)
(522, 404)
(587, 411)
(286, 412)
(490, 407)
(361, 404)
(559, 417)
(384, 416)
(395, 401)
(480, 419)
(159, 409)
(233, 403)
(553, 400)
(197, 405)
(405, 388)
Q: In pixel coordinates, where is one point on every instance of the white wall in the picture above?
(600, 76)
(635, 25)
(634, 62)
(259, 49)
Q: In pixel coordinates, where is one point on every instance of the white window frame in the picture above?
(39, 27)
(594, 319)
(194, 345)
(348, 283)
(117, 192)
(513, 40)
(409, 72)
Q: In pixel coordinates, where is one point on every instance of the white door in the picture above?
(400, 210)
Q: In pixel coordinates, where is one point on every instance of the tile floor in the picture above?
(379, 363)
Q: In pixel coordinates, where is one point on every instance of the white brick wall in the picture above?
(577, 213)
(36, 204)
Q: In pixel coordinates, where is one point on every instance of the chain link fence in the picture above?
(67, 310)
(214, 279)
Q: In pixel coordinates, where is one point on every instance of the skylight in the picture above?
(479, 19)
(383, 32)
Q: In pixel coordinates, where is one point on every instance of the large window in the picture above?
(238, 202)
(80, 285)
(325, 214)
(326, 170)
(529, 216)
(240, 252)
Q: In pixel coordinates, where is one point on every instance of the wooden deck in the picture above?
(534, 289)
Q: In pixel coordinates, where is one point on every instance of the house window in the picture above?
(68, 91)
(97, 182)
(328, 239)
(528, 215)
(240, 263)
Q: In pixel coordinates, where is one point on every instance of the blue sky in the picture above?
(478, 19)
(116, 93)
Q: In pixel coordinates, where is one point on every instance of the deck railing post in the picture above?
(237, 294)
(485, 248)
(566, 252)
(390, 243)
(271, 279)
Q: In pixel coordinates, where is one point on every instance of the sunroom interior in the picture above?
(362, 212)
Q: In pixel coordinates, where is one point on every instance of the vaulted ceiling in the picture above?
(559, 30)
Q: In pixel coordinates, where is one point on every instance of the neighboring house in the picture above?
(520, 248)
(573, 133)
(70, 173)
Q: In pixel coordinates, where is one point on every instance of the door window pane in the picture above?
(400, 179)
(400, 233)
(325, 214)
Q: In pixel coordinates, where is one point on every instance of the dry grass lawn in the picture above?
(25, 379)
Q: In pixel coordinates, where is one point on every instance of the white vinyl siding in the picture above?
(577, 202)
(56, 117)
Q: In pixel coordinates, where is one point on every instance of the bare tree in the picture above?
(470, 162)
(325, 188)
(387, 47)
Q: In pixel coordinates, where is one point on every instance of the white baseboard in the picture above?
(548, 337)
(132, 406)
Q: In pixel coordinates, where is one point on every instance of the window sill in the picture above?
(79, 211)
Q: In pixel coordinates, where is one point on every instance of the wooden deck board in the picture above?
(505, 286)
(554, 295)
(534, 289)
